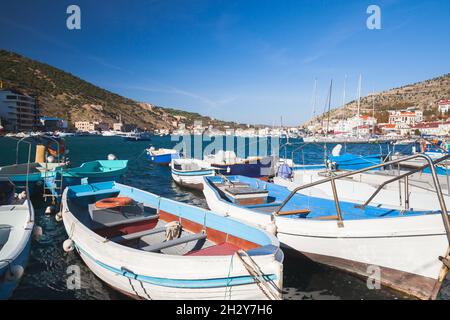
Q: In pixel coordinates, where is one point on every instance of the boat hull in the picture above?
(19, 254)
(260, 168)
(163, 160)
(191, 179)
(7, 288)
(391, 256)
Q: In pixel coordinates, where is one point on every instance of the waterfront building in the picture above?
(444, 106)
(18, 111)
(53, 124)
(124, 127)
(409, 116)
(86, 126)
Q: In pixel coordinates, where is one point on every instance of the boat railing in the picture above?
(32, 137)
(332, 180)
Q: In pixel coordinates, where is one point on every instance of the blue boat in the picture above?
(162, 156)
(227, 163)
(33, 174)
(88, 172)
(16, 228)
(150, 247)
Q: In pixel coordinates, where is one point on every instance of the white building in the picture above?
(352, 125)
(18, 111)
(444, 106)
(86, 126)
(408, 116)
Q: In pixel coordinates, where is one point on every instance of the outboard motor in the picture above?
(284, 171)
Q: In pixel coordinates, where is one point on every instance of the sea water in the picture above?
(50, 268)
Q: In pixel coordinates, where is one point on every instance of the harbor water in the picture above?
(49, 268)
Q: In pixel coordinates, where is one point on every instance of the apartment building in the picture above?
(18, 111)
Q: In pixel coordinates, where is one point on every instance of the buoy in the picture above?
(59, 217)
(50, 210)
(22, 195)
(68, 245)
(112, 156)
(14, 273)
(37, 232)
(50, 159)
(114, 202)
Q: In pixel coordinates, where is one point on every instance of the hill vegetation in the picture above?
(61, 94)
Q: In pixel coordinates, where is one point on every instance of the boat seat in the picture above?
(175, 242)
(294, 212)
(137, 235)
(326, 218)
(129, 221)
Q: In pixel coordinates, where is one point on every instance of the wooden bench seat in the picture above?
(137, 235)
(172, 243)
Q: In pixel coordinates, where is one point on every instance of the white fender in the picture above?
(68, 245)
(14, 273)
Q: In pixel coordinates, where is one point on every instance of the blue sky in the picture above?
(249, 60)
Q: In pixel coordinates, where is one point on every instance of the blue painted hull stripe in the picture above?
(192, 173)
(181, 283)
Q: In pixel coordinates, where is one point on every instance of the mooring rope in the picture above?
(255, 271)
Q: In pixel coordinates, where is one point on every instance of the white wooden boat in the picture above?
(149, 247)
(404, 244)
(16, 228)
(190, 172)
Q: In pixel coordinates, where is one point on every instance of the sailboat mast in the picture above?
(343, 99)
(314, 99)
(373, 110)
(329, 105)
(359, 105)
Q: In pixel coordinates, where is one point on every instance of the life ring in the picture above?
(113, 202)
(56, 153)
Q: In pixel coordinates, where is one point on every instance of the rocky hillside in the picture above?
(424, 95)
(61, 94)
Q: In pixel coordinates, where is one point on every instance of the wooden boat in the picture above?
(190, 172)
(30, 176)
(149, 247)
(138, 136)
(227, 163)
(405, 245)
(35, 172)
(89, 172)
(16, 228)
(162, 156)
